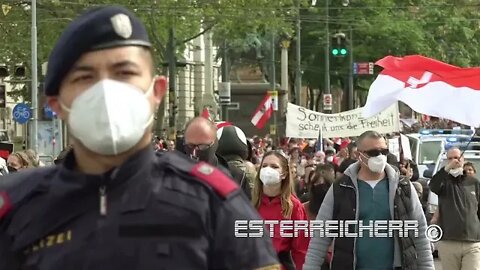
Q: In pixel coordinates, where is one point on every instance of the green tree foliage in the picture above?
(235, 20)
(441, 29)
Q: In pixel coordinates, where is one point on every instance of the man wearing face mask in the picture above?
(201, 143)
(371, 190)
(114, 203)
(458, 198)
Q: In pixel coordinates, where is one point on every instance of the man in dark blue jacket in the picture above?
(114, 203)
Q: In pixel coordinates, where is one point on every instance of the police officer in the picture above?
(114, 203)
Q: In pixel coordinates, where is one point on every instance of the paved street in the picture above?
(437, 264)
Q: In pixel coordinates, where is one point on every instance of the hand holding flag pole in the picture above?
(469, 141)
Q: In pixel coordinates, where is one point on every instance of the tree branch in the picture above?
(39, 5)
(162, 49)
(199, 34)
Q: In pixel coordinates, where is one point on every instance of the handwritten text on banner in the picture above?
(305, 123)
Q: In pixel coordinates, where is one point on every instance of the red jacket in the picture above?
(272, 210)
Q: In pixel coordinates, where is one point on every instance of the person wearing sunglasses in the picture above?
(200, 140)
(371, 190)
(201, 144)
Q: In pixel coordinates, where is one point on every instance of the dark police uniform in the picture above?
(156, 211)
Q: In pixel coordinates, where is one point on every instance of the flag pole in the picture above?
(320, 140)
(273, 82)
(469, 141)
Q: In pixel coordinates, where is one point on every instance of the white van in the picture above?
(428, 144)
(425, 150)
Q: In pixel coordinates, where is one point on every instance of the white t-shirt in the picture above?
(372, 183)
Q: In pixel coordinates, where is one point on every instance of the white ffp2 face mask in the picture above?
(456, 172)
(377, 164)
(269, 176)
(110, 117)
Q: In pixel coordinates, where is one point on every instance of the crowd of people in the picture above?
(111, 202)
(292, 180)
(20, 160)
(288, 181)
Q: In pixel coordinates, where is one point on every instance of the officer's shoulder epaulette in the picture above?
(5, 204)
(14, 188)
(201, 171)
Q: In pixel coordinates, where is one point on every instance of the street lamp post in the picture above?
(327, 52)
(351, 102)
(298, 73)
(34, 123)
(285, 43)
(172, 83)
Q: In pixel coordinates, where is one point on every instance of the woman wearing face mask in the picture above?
(18, 161)
(322, 179)
(274, 199)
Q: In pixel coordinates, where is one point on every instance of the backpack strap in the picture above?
(405, 192)
(243, 178)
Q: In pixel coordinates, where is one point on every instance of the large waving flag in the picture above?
(429, 87)
(263, 112)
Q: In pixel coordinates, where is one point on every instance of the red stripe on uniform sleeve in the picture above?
(5, 205)
(213, 177)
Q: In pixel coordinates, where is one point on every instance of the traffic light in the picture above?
(339, 45)
(3, 71)
(19, 71)
(3, 96)
(339, 51)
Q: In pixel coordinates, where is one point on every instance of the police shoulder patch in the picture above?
(5, 205)
(212, 176)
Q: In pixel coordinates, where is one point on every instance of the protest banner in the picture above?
(305, 123)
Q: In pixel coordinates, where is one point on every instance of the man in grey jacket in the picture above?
(370, 191)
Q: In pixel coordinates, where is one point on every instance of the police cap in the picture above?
(98, 28)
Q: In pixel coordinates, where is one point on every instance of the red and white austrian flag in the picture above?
(263, 112)
(429, 87)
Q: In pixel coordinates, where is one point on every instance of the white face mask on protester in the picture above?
(269, 176)
(329, 159)
(116, 113)
(456, 172)
(377, 164)
(303, 162)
